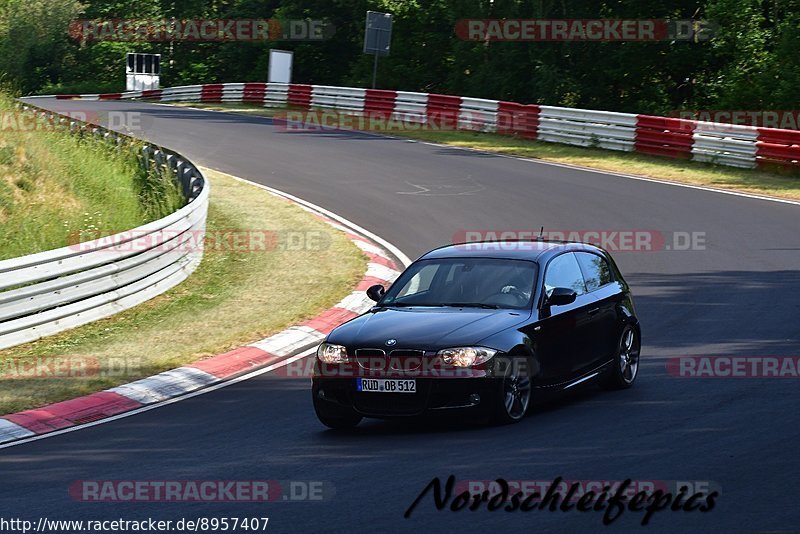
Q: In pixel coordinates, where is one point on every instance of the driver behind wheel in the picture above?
(515, 291)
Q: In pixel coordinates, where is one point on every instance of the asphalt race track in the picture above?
(739, 296)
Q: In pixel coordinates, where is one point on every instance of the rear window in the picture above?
(596, 270)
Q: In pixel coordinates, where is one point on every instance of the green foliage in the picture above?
(750, 63)
(33, 40)
(58, 188)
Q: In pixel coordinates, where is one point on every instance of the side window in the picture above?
(564, 271)
(596, 270)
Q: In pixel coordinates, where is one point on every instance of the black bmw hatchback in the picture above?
(481, 329)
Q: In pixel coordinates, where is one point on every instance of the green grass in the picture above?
(234, 297)
(775, 184)
(57, 188)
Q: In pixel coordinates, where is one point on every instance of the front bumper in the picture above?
(434, 396)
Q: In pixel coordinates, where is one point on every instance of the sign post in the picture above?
(377, 38)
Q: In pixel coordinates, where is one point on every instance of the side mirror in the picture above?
(561, 296)
(376, 292)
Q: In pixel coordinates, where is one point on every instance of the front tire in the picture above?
(625, 367)
(515, 392)
(339, 421)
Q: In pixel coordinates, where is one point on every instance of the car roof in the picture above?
(540, 250)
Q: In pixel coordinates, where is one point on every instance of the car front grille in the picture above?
(402, 361)
(396, 360)
(406, 353)
(371, 359)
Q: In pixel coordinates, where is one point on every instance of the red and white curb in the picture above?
(381, 268)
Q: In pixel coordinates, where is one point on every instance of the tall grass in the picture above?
(159, 193)
(58, 188)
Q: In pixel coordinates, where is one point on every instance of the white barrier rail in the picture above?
(716, 143)
(52, 291)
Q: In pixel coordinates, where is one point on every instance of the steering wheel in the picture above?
(508, 291)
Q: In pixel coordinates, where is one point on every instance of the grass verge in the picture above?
(236, 296)
(56, 187)
(679, 171)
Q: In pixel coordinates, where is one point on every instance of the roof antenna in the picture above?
(541, 234)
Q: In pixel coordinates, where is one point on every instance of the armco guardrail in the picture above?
(48, 292)
(719, 143)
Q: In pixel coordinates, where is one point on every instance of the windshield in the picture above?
(464, 282)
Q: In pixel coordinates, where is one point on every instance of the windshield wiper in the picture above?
(472, 305)
(407, 304)
(442, 305)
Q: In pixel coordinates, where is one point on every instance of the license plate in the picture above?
(386, 385)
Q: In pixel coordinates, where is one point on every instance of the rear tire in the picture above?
(514, 392)
(625, 367)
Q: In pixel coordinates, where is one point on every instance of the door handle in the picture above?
(593, 311)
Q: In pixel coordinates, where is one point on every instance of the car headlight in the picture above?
(466, 356)
(328, 353)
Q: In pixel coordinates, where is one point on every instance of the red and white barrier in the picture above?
(276, 95)
(662, 136)
(725, 144)
(443, 111)
(520, 120)
(410, 107)
(478, 114)
(778, 147)
(338, 98)
(708, 142)
(254, 93)
(379, 103)
(600, 129)
(299, 95)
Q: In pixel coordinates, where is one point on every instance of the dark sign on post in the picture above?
(377, 37)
